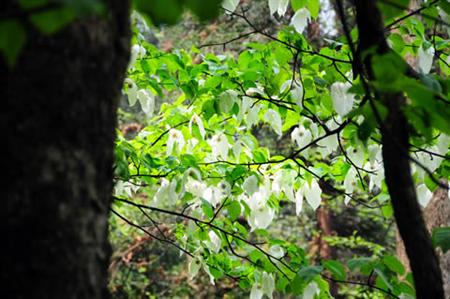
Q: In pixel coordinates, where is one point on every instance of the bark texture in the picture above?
(58, 118)
(436, 214)
(395, 139)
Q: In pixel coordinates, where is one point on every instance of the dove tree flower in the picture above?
(175, 141)
(342, 99)
(147, 101)
(425, 59)
(273, 118)
(423, 195)
(278, 6)
(301, 136)
(261, 214)
(264, 286)
(214, 243)
(195, 118)
(276, 251)
(312, 192)
(137, 52)
(230, 5)
(300, 19)
(219, 146)
(250, 185)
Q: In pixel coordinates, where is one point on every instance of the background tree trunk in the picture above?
(436, 214)
(58, 118)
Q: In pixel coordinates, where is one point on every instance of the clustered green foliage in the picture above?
(197, 167)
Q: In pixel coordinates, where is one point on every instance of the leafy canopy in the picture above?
(198, 161)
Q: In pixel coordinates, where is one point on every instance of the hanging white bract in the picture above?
(214, 243)
(175, 140)
(278, 6)
(250, 185)
(219, 146)
(147, 101)
(273, 118)
(276, 251)
(137, 52)
(131, 91)
(312, 193)
(342, 99)
(425, 59)
(300, 19)
(195, 118)
(423, 195)
(301, 136)
(230, 5)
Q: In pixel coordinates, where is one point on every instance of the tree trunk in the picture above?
(436, 214)
(395, 140)
(58, 117)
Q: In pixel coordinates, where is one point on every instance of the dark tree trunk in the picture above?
(58, 117)
(436, 214)
(395, 139)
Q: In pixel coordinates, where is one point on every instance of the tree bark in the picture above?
(395, 140)
(58, 118)
(436, 214)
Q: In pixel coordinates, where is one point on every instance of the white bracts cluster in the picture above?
(144, 96)
(278, 6)
(265, 286)
(301, 136)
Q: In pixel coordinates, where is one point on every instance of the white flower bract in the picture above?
(342, 99)
(278, 6)
(230, 5)
(273, 118)
(300, 19)
(425, 59)
(175, 139)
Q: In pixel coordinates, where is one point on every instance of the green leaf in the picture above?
(207, 209)
(188, 161)
(303, 277)
(394, 264)
(393, 8)
(52, 20)
(160, 11)
(12, 40)
(309, 272)
(205, 10)
(363, 263)
(237, 172)
(389, 69)
(209, 109)
(382, 281)
(336, 269)
(30, 4)
(441, 238)
(260, 155)
(234, 209)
